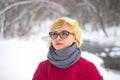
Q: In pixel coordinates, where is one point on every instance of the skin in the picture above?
(59, 43)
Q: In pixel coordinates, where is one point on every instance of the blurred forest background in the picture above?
(23, 18)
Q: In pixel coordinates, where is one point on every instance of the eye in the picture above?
(54, 33)
(64, 33)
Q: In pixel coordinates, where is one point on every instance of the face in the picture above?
(61, 43)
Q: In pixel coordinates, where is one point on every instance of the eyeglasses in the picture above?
(63, 34)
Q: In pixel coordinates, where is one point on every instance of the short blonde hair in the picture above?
(73, 24)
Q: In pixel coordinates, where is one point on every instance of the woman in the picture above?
(64, 56)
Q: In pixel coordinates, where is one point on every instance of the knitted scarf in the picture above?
(64, 58)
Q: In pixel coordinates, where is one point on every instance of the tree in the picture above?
(101, 13)
(20, 16)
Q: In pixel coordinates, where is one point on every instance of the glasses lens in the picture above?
(53, 35)
(64, 34)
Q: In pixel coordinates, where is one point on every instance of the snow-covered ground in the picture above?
(19, 60)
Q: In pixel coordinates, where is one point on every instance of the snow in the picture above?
(20, 58)
(98, 36)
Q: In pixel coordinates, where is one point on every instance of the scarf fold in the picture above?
(64, 58)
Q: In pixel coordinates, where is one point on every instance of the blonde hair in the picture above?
(73, 24)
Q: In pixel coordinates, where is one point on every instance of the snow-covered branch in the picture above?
(13, 5)
(89, 5)
(17, 18)
(48, 3)
(2, 26)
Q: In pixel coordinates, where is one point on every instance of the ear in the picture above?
(75, 40)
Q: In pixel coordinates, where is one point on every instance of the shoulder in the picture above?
(44, 63)
(90, 69)
(43, 66)
(84, 61)
(87, 66)
(41, 69)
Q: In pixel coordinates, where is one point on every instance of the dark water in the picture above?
(96, 48)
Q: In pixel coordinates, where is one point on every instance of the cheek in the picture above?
(69, 41)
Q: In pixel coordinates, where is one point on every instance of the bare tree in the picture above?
(101, 13)
(26, 16)
(17, 16)
(2, 21)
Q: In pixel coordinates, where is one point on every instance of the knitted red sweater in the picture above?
(81, 70)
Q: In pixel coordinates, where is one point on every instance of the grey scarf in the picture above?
(64, 58)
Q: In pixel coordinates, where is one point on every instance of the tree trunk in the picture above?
(2, 20)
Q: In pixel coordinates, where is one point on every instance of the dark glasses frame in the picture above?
(63, 34)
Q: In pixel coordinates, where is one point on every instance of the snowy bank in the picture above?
(19, 59)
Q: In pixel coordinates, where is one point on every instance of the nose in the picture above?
(58, 37)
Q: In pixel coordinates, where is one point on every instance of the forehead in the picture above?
(64, 27)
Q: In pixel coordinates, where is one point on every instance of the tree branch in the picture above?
(49, 4)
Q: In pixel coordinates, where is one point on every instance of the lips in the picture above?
(58, 43)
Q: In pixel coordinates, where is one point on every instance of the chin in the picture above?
(59, 48)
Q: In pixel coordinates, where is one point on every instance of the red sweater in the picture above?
(81, 70)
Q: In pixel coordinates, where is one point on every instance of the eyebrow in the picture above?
(61, 31)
